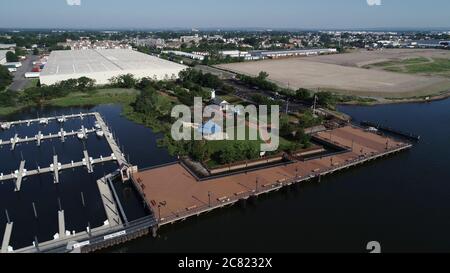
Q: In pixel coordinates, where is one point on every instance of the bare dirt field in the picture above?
(343, 73)
(363, 57)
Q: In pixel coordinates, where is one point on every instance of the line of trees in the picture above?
(5, 78)
(260, 81)
(41, 94)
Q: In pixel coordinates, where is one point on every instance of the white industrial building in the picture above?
(3, 56)
(102, 65)
(185, 54)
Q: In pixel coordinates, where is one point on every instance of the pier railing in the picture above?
(261, 188)
(95, 239)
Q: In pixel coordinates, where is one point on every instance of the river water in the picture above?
(401, 201)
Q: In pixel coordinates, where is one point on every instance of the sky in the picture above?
(273, 14)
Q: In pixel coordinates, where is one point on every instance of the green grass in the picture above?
(420, 65)
(435, 67)
(409, 61)
(99, 96)
(32, 83)
(232, 99)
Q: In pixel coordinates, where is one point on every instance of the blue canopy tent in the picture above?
(210, 128)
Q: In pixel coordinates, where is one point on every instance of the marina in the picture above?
(193, 202)
(172, 194)
(115, 216)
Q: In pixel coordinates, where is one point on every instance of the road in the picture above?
(246, 93)
(20, 82)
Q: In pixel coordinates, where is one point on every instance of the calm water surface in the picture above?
(402, 202)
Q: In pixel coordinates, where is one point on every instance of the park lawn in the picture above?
(232, 99)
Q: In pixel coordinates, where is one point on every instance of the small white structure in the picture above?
(223, 104)
(13, 64)
(32, 75)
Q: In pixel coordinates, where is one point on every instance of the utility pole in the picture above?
(315, 104)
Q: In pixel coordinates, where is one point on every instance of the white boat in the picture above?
(372, 130)
(81, 135)
(100, 133)
(43, 121)
(6, 125)
(62, 119)
(97, 125)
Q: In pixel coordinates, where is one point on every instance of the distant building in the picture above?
(191, 39)
(223, 104)
(185, 54)
(85, 43)
(151, 42)
(237, 54)
(292, 53)
(7, 46)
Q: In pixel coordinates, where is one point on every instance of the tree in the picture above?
(85, 84)
(303, 94)
(5, 78)
(227, 155)
(11, 57)
(263, 75)
(286, 128)
(35, 51)
(124, 81)
(200, 151)
(326, 98)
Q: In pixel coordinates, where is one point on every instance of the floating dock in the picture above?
(8, 124)
(39, 138)
(116, 226)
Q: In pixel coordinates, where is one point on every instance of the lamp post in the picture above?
(209, 198)
(257, 178)
(159, 213)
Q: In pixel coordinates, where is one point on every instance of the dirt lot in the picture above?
(362, 58)
(342, 73)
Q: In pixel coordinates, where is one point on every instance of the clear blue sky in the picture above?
(224, 13)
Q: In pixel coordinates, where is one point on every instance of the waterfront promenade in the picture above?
(174, 194)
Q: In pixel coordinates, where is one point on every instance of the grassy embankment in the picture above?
(96, 97)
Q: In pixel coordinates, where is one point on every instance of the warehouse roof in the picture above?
(94, 61)
(3, 54)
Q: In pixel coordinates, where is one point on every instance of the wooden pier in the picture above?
(174, 194)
